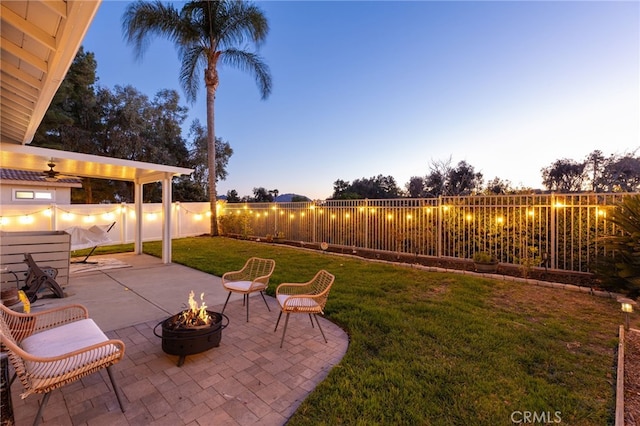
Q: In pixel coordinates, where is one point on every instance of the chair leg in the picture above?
(44, 401)
(318, 322)
(225, 303)
(277, 322)
(246, 296)
(265, 301)
(116, 389)
(311, 319)
(286, 321)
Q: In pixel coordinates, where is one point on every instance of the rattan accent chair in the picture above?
(55, 347)
(254, 276)
(300, 298)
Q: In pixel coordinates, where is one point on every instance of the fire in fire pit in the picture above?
(194, 316)
(192, 331)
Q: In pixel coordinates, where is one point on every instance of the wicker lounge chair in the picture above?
(254, 276)
(304, 298)
(52, 348)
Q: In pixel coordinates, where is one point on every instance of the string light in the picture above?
(26, 220)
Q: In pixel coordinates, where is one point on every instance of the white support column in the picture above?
(137, 237)
(54, 216)
(166, 219)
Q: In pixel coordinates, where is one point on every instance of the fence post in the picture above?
(552, 231)
(439, 225)
(366, 222)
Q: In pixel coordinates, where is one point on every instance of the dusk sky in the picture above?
(364, 88)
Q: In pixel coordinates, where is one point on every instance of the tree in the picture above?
(497, 186)
(621, 174)
(198, 154)
(375, 188)
(564, 175)
(444, 179)
(261, 195)
(463, 180)
(232, 196)
(594, 164)
(340, 188)
(416, 187)
(436, 181)
(206, 34)
(72, 117)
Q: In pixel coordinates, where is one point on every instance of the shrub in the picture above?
(619, 270)
(484, 257)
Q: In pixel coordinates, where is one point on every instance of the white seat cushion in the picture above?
(301, 302)
(64, 339)
(243, 286)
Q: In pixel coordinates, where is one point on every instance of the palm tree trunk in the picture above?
(211, 159)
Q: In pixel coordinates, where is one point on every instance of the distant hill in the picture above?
(286, 198)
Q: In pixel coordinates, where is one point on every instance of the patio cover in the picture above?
(26, 157)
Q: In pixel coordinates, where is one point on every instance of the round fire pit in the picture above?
(181, 340)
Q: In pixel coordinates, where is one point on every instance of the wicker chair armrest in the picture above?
(240, 275)
(23, 325)
(264, 279)
(293, 289)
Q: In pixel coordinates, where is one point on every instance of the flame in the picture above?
(195, 315)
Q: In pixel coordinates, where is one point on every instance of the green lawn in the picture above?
(443, 349)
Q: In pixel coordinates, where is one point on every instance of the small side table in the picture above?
(9, 292)
(6, 408)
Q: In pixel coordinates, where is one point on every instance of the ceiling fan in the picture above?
(52, 175)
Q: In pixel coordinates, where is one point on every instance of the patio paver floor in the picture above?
(247, 380)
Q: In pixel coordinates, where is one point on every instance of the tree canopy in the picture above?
(124, 123)
(207, 34)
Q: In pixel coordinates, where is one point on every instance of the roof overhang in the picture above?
(33, 158)
(39, 40)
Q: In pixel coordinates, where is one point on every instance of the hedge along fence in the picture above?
(560, 231)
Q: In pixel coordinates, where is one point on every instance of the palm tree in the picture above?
(206, 34)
